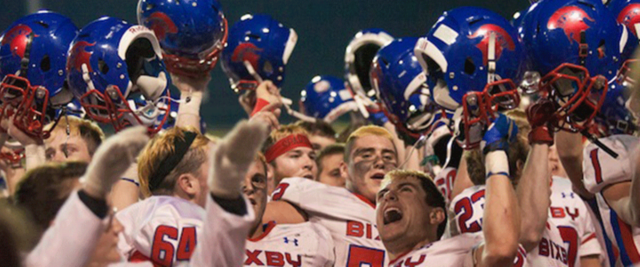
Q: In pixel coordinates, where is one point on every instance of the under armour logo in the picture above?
(295, 241)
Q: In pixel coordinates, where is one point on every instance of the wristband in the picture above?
(131, 174)
(260, 104)
(496, 163)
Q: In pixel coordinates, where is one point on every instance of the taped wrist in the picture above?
(190, 103)
(496, 163)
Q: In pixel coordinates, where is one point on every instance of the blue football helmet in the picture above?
(112, 62)
(473, 58)
(358, 57)
(192, 33)
(33, 53)
(401, 86)
(326, 98)
(576, 47)
(627, 12)
(258, 48)
(614, 115)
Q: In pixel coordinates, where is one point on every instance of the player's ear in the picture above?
(186, 184)
(436, 216)
(344, 170)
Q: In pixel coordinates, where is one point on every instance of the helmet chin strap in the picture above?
(491, 58)
(24, 62)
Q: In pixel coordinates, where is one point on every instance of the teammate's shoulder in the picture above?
(602, 169)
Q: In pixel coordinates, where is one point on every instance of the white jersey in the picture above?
(303, 244)
(455, 252)
(63, 245)
(350, 218)
(468, 208)
(601, 170)
(574, 223)
(162, 229)
(444, 181)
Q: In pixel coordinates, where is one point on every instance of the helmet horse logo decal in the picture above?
(16, 38)
(79, 55)
(572, 20)
(630, 16)
(161, 24)
(503, 40)
(247, 52)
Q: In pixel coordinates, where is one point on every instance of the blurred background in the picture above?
(324, 28)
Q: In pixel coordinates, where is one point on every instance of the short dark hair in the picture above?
(319, 127)
(333, 149)
(88, 130)
(434, 197)
(44, 189)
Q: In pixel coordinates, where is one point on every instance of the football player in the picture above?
(348, 213)
(272, 244)
(583, 84)
(329, 161)
(410, 214)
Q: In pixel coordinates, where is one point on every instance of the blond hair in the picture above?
(365, 131)
(160, 147)
(282, 132)
(89, 131)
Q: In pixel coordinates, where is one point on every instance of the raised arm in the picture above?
(533, 187)
(229, 215)
(569, 147)
(501, 221)
(191, 95)
(62, 244)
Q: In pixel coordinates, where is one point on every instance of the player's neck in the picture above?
(401, 248)
(256, 231)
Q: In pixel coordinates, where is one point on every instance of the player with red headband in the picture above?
(348, 213)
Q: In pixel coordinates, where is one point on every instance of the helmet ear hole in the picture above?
(602, 49)
(469, 66)
(104, 68)
(45, 63)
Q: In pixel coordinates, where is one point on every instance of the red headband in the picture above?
(286, 144)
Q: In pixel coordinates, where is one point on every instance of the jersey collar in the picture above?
(267, 227)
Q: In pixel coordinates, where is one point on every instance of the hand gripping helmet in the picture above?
(473, 59)
(110, 64)
(258, 49)
(191, 32)
(326, 98)
(627, 12)
(33, 52)
(576, 47)
(401, 86)
(358, 56)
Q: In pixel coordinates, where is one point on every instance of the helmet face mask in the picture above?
(32, 66)
(577, 95)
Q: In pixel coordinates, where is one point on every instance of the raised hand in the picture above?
(112, 159)
(232, 157)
